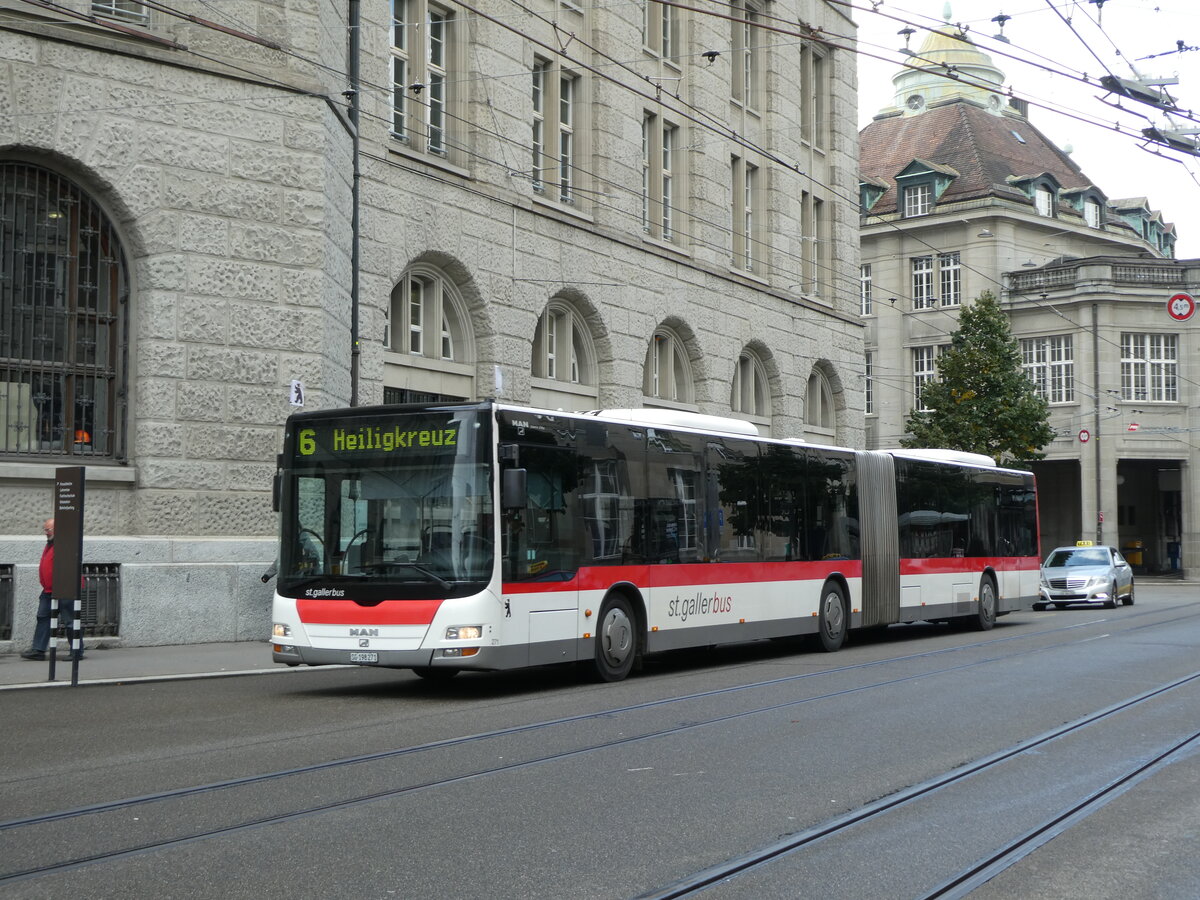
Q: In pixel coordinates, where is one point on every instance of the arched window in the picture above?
(820, 414)
(430, 343)
(750, 395)
(668, 373)
(63, 319)
(563, 366)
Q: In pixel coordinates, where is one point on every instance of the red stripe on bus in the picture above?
(594, 578)
(347, 612)
(968, 565)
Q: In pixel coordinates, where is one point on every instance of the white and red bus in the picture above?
(441, 537)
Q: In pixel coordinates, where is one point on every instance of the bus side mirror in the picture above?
(513, 490)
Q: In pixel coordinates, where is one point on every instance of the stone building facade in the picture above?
(558, 205)
(961, 194)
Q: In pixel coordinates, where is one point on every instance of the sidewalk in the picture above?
(126, 664)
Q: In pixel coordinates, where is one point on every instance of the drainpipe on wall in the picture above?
(1096, 425)
(354, 16)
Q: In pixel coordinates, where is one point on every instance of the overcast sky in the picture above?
(1111, 37)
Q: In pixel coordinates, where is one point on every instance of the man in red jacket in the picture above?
(41, 634)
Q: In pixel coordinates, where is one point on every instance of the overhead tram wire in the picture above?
(785, 274)
(1080, 77)
(656, 99)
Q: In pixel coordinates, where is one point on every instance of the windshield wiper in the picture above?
(429, 576)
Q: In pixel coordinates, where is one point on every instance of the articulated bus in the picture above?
(442, 537)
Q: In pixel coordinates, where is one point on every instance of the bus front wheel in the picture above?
(833, 620)
(616, 639)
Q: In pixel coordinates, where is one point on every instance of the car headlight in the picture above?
(464, 632)
(280, 629)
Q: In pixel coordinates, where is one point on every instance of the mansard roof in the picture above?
(988, 152)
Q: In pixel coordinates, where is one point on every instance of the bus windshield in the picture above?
(400, 502)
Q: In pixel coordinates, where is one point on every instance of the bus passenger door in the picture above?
(540, 560)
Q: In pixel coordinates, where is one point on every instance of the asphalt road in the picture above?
(1054, 756)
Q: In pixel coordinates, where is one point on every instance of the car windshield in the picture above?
(1087, 556)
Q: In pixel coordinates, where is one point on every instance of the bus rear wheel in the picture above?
(833, 619)
(616, 639)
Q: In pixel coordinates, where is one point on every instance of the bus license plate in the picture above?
(364, 657)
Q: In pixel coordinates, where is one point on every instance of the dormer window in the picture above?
(920, 184)
(918, 200)
(1043, 198)
(869, 192)
(1043, 189)
(1091, 213)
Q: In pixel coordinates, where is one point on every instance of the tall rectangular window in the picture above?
(814, 95)
(924, 370)
(747, 56)
(554, 95)
(660, 28)
(438, 25)
(918, 200)
(922, 282)
(1150, 367)
(864, 289)
(422, 49)
(537, 174)
(869, 384)
(1050, 364)
(745, 215)
(660, 159)
(566, 137)
(1091, 213)
(950, 278)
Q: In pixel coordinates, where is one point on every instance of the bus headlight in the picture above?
(280, 629)
(464, 632)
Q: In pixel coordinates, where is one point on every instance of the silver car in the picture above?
(1085, 574)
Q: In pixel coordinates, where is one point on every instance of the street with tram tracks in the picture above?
(1054, 756)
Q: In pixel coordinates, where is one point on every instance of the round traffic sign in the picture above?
(1084, 435)
(1181, 306)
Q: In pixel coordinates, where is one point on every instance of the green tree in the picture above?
(981, 401)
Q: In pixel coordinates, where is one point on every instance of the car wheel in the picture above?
(1060, 606)
(1039, 606)
(1129, 596)
(1114, 599)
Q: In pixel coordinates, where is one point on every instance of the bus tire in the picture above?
(435, 673)
(616, 639)
(985, 617)
(833, 619)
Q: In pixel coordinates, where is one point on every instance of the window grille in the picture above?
(99, 601)
(63, 292)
